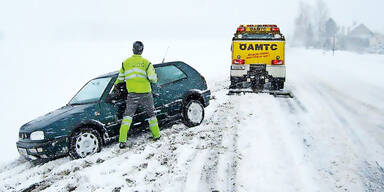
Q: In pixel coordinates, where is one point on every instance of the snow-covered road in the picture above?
(327, 138)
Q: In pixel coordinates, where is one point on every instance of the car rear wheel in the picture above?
(193, 113)
(84, 142)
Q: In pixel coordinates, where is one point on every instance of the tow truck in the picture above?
(258, 60)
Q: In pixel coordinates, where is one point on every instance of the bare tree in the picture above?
(330, 34)
(320, 17)
(310, 25)
(302, 25)
(309, 38)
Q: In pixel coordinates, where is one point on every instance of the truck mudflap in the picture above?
(276, 93)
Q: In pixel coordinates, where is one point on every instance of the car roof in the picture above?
(115, 73)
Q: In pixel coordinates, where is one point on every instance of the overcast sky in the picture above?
(80, 20)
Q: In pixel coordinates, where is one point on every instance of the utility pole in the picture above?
(334, 45)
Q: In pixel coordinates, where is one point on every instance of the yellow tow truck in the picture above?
(258, 60)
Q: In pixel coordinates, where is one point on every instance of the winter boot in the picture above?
(123, 145)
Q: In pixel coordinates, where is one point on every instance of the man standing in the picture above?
(138, 73)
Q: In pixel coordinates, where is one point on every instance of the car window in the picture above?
(91, 92)
(168, 74)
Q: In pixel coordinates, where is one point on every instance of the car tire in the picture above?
(193, 113)
(84, 142)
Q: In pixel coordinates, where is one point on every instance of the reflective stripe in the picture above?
(152, 118)
(126, 123)
(127, 118)
(135, 70)
(152, 77)
(152, 121)
(135, 75)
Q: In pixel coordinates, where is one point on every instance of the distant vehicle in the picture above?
(92, 118)
(258, 59)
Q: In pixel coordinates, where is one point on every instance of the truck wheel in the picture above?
(84, 142)
(193, 113)
(277, 84)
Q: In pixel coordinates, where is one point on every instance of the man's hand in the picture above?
(116, 88)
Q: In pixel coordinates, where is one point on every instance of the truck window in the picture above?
(255, 36)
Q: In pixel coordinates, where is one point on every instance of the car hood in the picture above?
(53, 117)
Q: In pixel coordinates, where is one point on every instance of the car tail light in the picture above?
(238, 61)
(277, 62)
(275, 29)
(240, 29)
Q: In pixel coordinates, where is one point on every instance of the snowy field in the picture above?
(328, 138)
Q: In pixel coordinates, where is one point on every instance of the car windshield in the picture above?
(91, 92)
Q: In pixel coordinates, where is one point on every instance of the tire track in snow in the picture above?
(50, 174)
(204, 164)
(335, 122)
(361, 120)
(222, 163)
(271, 153)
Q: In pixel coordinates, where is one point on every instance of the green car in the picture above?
(92, 118)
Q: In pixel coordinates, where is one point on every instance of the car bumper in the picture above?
(34, 150)
(206, 96)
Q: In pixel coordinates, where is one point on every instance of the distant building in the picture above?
(361, 31)
(359, 38)
(377, 44)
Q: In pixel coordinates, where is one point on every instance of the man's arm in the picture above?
(151, 73)
(121, 76)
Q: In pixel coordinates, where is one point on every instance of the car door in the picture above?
(113, 112)
(112, 109)
(169, 90)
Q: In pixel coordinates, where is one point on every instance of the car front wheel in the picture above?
(193, 113)
(84, 142)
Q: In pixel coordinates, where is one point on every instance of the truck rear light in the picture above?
(277, 62)
(275, 29)
(238, 61)
(240, 29)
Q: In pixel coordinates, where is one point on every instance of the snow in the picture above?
(327, 138)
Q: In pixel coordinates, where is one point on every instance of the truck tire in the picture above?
(235, 83)
(193, 113)
(277, 84)
(84, 142)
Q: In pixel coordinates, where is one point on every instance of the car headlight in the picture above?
(37, 135)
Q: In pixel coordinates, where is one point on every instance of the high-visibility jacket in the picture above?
(138, 73)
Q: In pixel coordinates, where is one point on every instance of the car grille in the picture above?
(23, 135)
